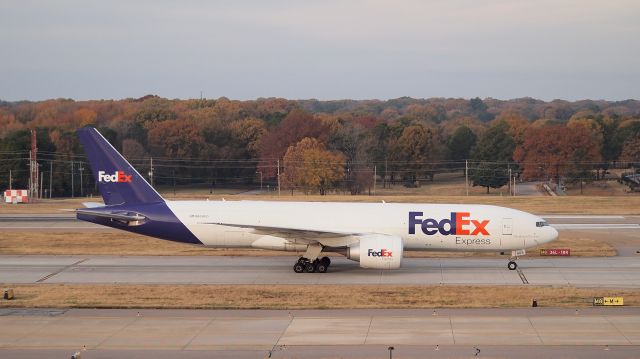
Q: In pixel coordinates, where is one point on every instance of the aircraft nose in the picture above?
(551, 234)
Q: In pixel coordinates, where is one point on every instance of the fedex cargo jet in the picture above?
(373, 234)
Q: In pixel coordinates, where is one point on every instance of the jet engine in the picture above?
(377, 251)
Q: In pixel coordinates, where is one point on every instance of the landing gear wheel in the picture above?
(309, 267)
(326, 261)
(321, 267)
(512, 265)
(298, 267)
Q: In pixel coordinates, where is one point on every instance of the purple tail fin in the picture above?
(117, 180)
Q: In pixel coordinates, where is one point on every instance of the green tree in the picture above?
(491, 156)
(461, 143)
(479, 108)
(358, 146)
(580, 170)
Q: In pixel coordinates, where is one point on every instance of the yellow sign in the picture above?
(608, 301)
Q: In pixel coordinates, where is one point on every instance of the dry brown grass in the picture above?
(303, 296)
(608, 188)
(629, 205)
(125, 243)
(108, 243)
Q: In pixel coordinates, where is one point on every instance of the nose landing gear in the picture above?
(512, 265)
(320, 265)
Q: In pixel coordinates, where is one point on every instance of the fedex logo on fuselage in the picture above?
(459, 224)
(382, 253)
(118, 176)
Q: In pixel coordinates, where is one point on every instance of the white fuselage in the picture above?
(421, 226)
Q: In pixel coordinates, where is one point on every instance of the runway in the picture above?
(612, 272)
(496, 333)
(623, 232)
(157, 334)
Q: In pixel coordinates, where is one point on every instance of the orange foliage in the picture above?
(547, 151)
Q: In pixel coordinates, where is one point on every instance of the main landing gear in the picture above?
(512, 265)
(319, 265)
(310, 263)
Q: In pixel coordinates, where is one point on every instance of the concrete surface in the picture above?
(612, 272)
(505, 333)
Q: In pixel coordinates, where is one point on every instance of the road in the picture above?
(528, 189)
(611, 272)
(451, 333)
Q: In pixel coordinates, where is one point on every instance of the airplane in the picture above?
(373, 234)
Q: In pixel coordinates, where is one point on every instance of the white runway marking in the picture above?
(573, 216)
(596, 226)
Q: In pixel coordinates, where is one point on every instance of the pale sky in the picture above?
(325, 49)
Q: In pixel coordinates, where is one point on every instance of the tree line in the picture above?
(323, 146)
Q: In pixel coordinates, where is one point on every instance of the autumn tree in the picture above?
(491, 158)
(555, 151)
(175, 139)
(132, 149)
(297, 125)
(248, 132)
(631, 151)
(627, 129)
(155, 110)
(412, 152)
(310, 166)
(517, 124)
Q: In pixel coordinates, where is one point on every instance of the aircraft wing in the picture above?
(120, 216)
(329, 238)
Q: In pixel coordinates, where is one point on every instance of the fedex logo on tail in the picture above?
(118, 176)
(458, 224)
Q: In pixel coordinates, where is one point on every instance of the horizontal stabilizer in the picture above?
(92, 204)
(119, 216)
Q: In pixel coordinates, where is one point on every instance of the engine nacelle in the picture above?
(377, 251)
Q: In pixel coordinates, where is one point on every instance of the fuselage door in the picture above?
(507, 226)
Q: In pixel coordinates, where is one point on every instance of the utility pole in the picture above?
(151, 172)
(173, 176)
(278, 164)
(466, 176)
(81, 187)
(50, 177)
(260, 172)
(375, 174)
(30, 172)
(10, 180)
(72, 184)
(384, 181)
(41, 180)
(33, 166)
(510, 188)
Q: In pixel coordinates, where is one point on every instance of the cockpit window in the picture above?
(541, 224)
